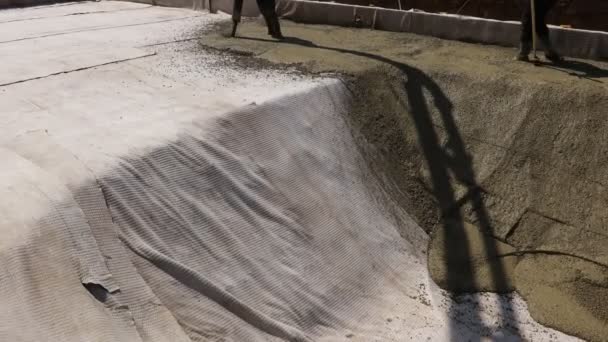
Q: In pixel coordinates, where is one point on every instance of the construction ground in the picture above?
(161, 181)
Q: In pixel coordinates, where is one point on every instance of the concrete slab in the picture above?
(75, 44)
(64, 61)
(51, 26)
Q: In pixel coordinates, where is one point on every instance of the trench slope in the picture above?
(502, 163)
(268, 223)
(506, 177)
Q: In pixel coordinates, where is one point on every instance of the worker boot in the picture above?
(272, 22)
(236, 15)
(550, 52)
(276, 27)
(524, 51)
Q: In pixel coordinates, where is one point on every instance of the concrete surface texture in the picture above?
(157, 188)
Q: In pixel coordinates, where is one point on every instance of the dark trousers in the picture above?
(267, 8)
(542, 8)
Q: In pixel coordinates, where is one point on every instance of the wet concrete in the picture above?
(471, 138)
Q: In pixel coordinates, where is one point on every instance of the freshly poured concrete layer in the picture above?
(177, 197)
(466, 137)
(570, 42)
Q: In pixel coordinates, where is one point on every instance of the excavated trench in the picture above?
(319, 216)
(505, 211)
(503, 166)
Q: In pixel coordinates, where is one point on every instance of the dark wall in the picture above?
(582, 14)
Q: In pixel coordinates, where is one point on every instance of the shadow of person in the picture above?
(285, 40)
(298, 41)
(445, 160)
(579, 69)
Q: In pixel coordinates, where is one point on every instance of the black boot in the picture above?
(550, 52)
(236, 15)
(235, 23)
(275, 31)
(272, 22)
(524, 51)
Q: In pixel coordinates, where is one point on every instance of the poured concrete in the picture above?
(569, 42)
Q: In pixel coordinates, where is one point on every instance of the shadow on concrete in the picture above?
(579, 69)
(444, 160)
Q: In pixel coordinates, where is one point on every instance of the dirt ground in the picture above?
(503, 163)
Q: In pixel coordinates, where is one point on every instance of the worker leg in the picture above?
(544, 6)
(542, 9)
(236, 15)
(525, 41)
(268, 9)
(526, 24)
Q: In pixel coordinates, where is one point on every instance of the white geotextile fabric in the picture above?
(259, 225)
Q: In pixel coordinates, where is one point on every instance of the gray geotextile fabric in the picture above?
(241, 226)
(257, 226)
